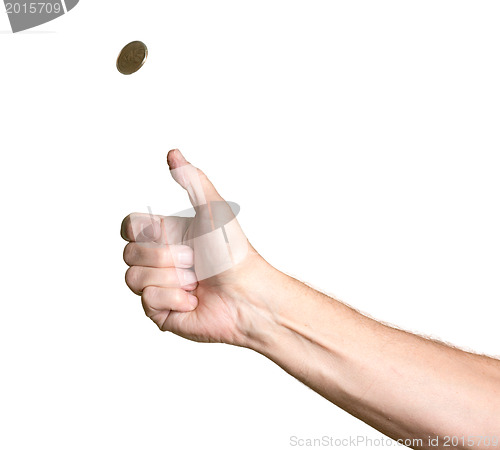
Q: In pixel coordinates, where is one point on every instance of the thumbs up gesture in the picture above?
(193, 273)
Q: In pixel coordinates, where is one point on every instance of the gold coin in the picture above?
(132, 58)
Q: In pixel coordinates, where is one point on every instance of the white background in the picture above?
(361, 140)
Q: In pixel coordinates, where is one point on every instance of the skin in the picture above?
(404, 385)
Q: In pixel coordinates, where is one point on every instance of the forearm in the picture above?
(403, 385)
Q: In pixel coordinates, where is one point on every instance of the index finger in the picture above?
(141, 227)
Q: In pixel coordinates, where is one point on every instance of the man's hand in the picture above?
(193, 274)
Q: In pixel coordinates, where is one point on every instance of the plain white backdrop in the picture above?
(361, 140)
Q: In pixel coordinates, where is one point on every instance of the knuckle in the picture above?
(132, 277)
(149, 294)
(128, 227)
(202, 175)
(150, 312)
(129, 253)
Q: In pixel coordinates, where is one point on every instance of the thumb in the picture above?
(201, 191)
(216, 237)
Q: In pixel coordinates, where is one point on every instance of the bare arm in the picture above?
(405, 386)
(201, 279)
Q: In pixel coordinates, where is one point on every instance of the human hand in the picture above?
(195, 275)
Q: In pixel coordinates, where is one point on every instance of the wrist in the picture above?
(290, 322)
(272, 307)
(259, 297)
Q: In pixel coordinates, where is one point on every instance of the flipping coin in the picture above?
(132, 58)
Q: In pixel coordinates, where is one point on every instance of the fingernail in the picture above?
(189, 277)
(193, 301)
(170, 158)
(185, 257)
